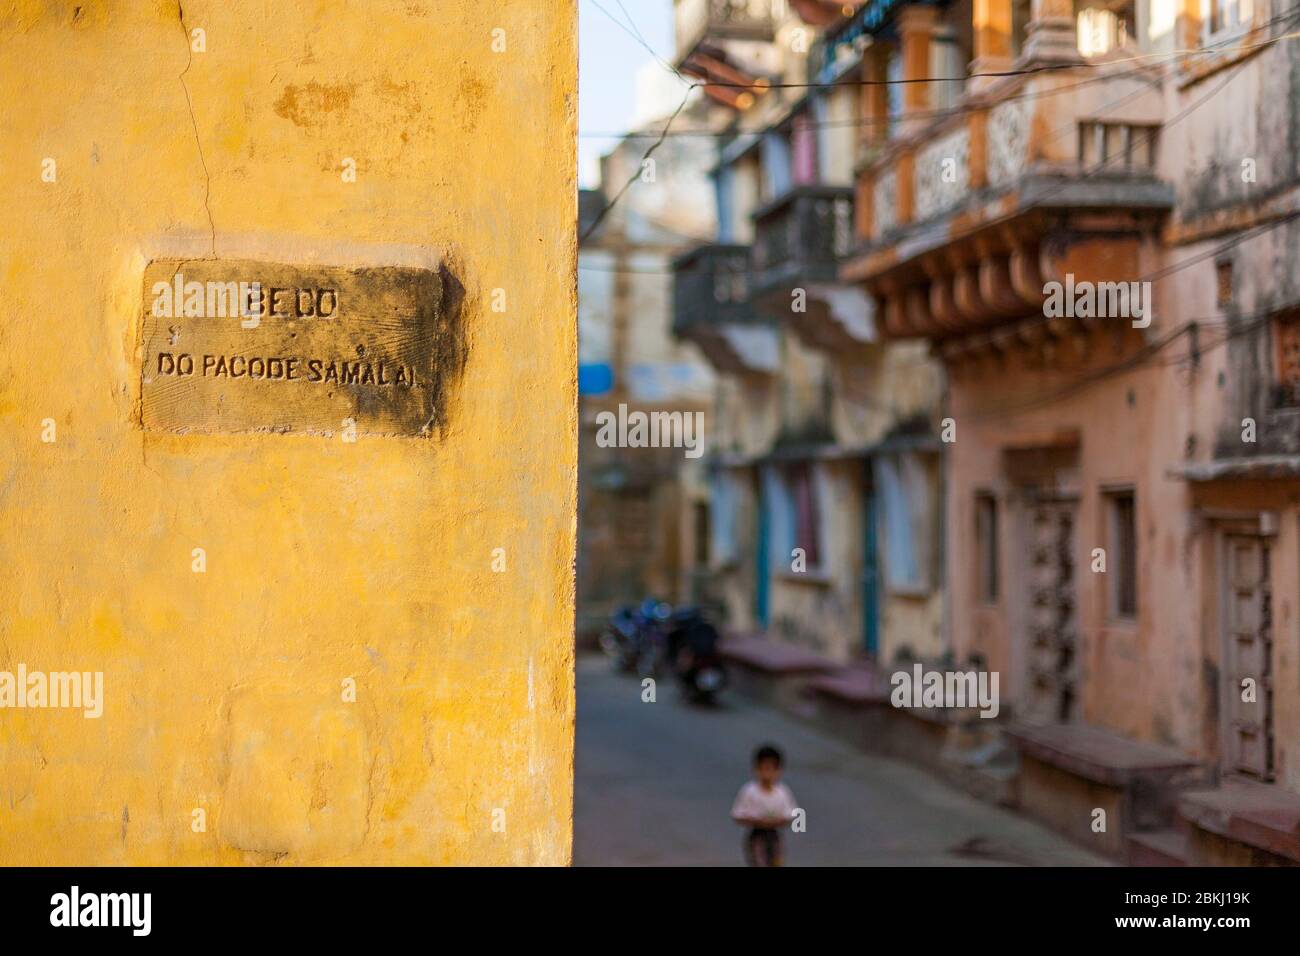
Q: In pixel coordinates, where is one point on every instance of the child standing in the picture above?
(766, 806)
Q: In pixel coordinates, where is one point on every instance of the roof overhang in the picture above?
(1251, 468)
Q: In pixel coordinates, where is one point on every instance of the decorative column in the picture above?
(991, 28)
(875, 97)
(1189, 24)
(1050, 33)
(864, 190)
(915, 29)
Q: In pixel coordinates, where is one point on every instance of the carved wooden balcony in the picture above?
(698, 21)
(962, 222)
(802, 236)
(712, 308)
(799, 241)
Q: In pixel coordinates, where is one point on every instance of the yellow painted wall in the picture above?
(325, 560)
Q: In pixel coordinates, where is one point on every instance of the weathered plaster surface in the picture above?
(325, 560)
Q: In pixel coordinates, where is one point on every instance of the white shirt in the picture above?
(755, 803)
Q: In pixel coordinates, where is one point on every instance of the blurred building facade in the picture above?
(824, 478)
(1120, 544)
(636, 522)
(1010, 359)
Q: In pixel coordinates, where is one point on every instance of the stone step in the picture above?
(1242, 822)
(1070, 771)
(772, 657)
(994, 784)
(1158, 848)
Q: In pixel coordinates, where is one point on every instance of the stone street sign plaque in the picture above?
(240, 346)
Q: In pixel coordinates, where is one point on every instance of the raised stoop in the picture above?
(771, 672)
(1242, 823)
(988, 771)
(1069, 771)
(1058, 774)
(1166, 847)
(958, 746)
(852, 703)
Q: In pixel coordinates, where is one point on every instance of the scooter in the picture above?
(619, 639)
(655, 619)
(634, 637)
(693, 650)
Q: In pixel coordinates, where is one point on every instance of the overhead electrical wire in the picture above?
(1151, 350)
(1292, 13)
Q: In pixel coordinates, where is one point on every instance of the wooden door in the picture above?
(1248, 642)
(1050, 629)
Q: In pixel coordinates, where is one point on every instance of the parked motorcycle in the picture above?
(650, 637)
(619, 639)
(692, 646)
(635, 635)
(656, 620)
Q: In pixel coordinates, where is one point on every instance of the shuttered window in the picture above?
(1122, 554)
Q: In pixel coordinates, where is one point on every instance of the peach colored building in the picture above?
(1121, 468)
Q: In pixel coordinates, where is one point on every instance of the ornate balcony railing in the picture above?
(712, 287)
(1027, 129)
(802, 236)
(799, 243)
(713, 308)
(963, 223)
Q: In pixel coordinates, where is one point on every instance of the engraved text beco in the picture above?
(242, 346)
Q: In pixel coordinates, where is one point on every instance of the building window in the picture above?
(776, 158)
(1103, 27)
(1286, 336)
(803, 495)
(700, 517)
(1223, 283)
(724, 199)
(1227, 14)
(986, 543)
(947, 60)
(1020, 13)
(1122, 553)
(722, 514)
(803, 150)
(1117, 147)
(794, 516)
(907, 509)
(894, 91)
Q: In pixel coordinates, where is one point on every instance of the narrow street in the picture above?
(655, 783)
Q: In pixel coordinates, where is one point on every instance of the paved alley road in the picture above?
(655, 784)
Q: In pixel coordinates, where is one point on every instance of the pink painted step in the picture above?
(1158, 848)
